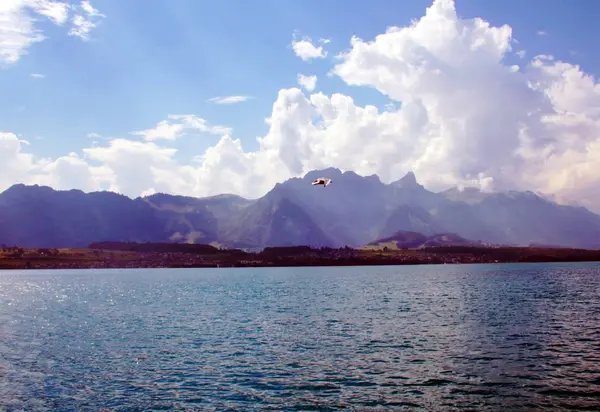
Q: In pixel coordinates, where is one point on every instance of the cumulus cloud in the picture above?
(458, 115)
(15, 164)
(135, 167)
(72, 171)
(308, 82)
(228, 99)
(306, 50)
(67, 172)
(19, 29)
(177, 125)
(38, 75)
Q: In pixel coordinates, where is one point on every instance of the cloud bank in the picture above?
(462, 116)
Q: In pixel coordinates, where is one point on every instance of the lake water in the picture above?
(447, 337)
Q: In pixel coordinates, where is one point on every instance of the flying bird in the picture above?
(321, 181)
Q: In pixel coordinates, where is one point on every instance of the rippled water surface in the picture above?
(448, 337)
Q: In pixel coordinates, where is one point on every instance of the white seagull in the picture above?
(321, 181)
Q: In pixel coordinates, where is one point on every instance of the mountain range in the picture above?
(354, 210)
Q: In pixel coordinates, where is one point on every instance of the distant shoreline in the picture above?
(119, 255)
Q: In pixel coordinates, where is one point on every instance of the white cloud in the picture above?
(38, 75)
(72, 171)
(465, 118)
(85, 19)
(521, 54)
(306, 50)
(324, 41)
(18, 24)
(542, 33)
(135, 167)
(163, 130)
(308, 82)
(228, 99)
(17, 32)
(176, 126)
(56, 11)
(15, 165)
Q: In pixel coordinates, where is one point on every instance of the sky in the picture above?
(199, 98)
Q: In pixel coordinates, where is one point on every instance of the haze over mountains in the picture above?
(353, 211)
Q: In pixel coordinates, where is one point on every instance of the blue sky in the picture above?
(148, 59)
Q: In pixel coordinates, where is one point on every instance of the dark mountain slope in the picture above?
(195, 220)
(274, 220)
(37, 216)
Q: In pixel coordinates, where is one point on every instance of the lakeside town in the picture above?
(174, 255)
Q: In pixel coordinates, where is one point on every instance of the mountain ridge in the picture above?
(417, 240)
(353, 211)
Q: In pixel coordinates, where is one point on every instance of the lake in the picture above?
(445, 337)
